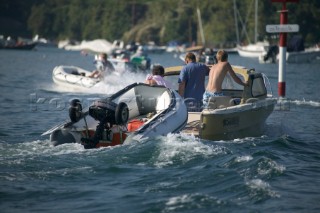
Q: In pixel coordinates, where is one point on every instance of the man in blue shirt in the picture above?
(192, 82)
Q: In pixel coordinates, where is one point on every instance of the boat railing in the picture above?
(267, 85)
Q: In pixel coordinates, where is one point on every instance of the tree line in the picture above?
(160, 21)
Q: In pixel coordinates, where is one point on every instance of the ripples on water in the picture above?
(173, 173)
(279, 171)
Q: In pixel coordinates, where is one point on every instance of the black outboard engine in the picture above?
(272, 54)
(108, 114)
(75, 110)
(103, 111)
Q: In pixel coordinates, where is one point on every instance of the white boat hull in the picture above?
(303, 56)
(169, 115)
(63, 76)
(307, 56)
(253, 50)
(236, 121)
(74, 77)
(239, 113)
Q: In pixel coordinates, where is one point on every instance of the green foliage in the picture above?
(157, 20)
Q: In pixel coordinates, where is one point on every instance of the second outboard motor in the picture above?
(75, 110)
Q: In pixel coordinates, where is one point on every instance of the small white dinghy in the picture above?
(137, 112)
(72, 76)
(75, 77)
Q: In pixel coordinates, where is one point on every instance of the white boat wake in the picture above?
(109, 85)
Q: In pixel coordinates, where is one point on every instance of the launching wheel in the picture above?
(122, 114)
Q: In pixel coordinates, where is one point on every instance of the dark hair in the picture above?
(158, 70)
(191, 56)
(104, 55)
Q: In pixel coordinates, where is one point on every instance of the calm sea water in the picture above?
(277, 172)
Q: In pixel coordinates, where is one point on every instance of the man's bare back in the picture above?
(216, 76)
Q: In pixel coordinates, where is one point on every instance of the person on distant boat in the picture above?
(141, 59)
(192, 82)
(140, 52)
(103, 66)
(217, 74)
(156, 78)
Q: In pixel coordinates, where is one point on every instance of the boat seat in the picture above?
(219, 102)
(163, 102)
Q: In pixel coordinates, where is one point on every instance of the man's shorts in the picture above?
(207, 95)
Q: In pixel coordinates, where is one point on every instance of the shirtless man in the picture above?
(216, 76)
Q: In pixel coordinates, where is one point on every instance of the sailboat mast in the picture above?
(236, 21)
(256, 22)
(200, 26)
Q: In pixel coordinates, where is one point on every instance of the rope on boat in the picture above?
(87, 130)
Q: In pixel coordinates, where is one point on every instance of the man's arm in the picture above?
(182, 82)
(182, 86)
(208, 70)
(235, 77)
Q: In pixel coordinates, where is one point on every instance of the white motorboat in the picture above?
(242, 112)
(309, 55)
(297, 53)
(97, 45)
(137, 112)
(203, 55)
(253, 50)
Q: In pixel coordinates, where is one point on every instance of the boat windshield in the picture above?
(267, 85)
(228, 83)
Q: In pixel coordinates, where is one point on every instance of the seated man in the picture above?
(103, 66)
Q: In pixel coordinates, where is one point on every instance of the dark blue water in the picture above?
(277, 172)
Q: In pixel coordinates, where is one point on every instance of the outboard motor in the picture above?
(75, 110)
(272, 54)
(103, 111)
(108, 114)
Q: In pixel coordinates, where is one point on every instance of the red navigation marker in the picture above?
(283, 47)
